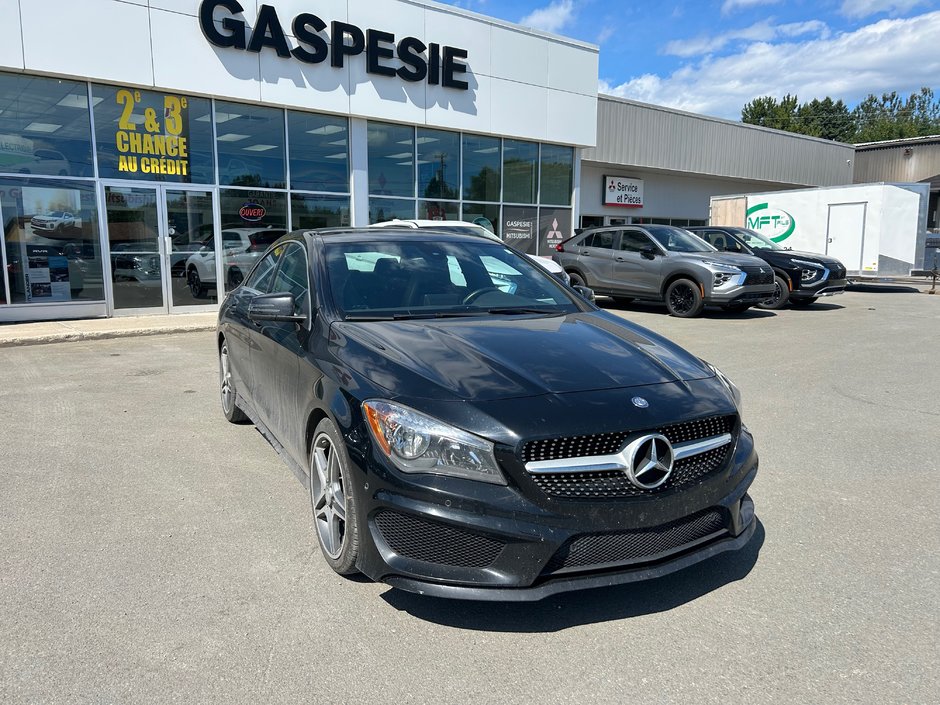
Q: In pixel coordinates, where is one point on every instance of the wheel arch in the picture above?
(680, 275)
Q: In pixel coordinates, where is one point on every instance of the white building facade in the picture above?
(149, 151)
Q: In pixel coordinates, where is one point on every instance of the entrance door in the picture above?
(156, 234)
(846, 232)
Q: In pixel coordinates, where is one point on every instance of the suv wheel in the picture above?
(576, 279)
(684, 298)
(780, 296)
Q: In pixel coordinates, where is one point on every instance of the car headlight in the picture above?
(417, 443)
(810, 271)
(723, 266)
(731, 386)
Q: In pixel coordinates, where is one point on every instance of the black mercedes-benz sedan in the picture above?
(470, 427)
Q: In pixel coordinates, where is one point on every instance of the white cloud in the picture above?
(898, 54)
(865, 8)
(763, 31)
(730, 6)
(550, 18)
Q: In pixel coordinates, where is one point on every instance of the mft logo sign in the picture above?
(775, 223)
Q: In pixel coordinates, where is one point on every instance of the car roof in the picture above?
(368, 234)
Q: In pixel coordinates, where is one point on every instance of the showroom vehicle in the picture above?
(664, 263)
(54, 222)
(457, 226)
(799, 277)
(241, 248)
(464, 438)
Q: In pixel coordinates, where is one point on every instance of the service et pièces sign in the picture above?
(623, 192)
(159, 144)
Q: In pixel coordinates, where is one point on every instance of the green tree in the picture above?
(825, 118)
(767, 111)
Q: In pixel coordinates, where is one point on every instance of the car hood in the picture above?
(499, 358)
(737, 260)
(808, 256)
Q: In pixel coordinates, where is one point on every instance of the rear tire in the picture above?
(227, 389)
(802, 303)
(333, 499)
(684, 299)
(780, 296)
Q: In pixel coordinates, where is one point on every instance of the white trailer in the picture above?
(872, 228)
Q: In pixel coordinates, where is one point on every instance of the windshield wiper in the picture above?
(413, 316)
(516, 311)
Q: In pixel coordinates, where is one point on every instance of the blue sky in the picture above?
(712, 57)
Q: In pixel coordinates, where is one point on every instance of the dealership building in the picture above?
(149, 151)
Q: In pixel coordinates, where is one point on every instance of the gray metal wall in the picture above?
(664, 195)
(641, 135)
(890, 163)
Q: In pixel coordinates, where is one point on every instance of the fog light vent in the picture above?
(435, 542)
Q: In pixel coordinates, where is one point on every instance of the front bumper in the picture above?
(739, 294)
(827, 288)
(468, 540)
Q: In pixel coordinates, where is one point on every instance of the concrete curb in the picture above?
(77, 336)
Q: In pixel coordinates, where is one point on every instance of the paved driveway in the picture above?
(151, 552)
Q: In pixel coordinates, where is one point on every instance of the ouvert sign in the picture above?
(443, 65)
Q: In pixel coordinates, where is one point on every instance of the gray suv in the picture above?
(664, 263)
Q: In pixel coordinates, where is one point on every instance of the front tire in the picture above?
(227, 389)
(780, 296)
(333, 499)
(196, 287)
(684, 299)
(576, 279)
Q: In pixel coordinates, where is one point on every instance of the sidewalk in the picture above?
(14, 334)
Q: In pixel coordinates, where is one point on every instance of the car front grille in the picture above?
(601, 550)
(613, 484)
(756, 277)
(435, 542)
(607, 443)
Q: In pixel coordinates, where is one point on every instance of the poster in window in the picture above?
(554, 227)
(519, 228)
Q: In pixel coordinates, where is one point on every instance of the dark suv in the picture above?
(799, 277)
(664, 263)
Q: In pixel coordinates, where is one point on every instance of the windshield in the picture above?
(677, 239)
(426, 279)
(754, 240)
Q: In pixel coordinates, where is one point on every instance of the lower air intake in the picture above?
(436, 542)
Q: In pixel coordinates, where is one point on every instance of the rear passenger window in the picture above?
(603, 239)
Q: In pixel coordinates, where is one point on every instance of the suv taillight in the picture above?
(559, 247)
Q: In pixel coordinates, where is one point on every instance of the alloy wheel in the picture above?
(329, 498)
(681, 298)
(226, 387)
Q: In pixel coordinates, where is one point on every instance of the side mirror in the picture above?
(274, 307)
(649, 252)
(585, 292)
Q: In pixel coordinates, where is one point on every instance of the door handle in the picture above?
(621, 259)
(584, 253)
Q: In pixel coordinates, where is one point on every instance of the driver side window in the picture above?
(634, 241)
(260, 279)
(291, 277)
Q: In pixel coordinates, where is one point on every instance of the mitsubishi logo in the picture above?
(650, 461)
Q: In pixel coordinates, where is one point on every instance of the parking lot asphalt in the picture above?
(151, 552)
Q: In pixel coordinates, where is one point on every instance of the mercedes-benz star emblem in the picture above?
(651, 460)
(640, 402)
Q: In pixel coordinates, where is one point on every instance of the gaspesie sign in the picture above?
(443, 65)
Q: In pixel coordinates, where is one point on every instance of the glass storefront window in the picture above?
(251, 220)
(520, 228)
(438, 210)
(50, 240)
(382, 209)
(250, 143)
(153, 136)
(485, 214)
(438, 164)
(318, 211)
(319, 152)
(557, 167)
(520, 171)
(45, 126)
(391, 160)
(481, 168)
